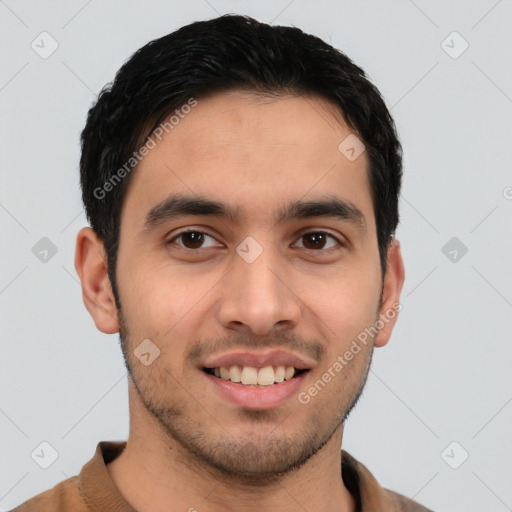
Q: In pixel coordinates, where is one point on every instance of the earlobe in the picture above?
(390, 304)
(91, 267)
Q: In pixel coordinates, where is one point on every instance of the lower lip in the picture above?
(257, 399)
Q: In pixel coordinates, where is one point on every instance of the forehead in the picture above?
(254, 152)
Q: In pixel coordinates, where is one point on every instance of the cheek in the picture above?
(144, 295)
(159, 299)
(345, 303)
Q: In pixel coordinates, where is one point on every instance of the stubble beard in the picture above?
(257, 459)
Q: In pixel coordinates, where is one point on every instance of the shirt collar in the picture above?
(95, 483)
(360, 482)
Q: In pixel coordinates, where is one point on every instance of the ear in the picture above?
(390, 301)
(91, 267)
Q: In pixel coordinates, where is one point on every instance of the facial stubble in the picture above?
(261, 457)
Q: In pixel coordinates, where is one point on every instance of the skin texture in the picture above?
(188, 446)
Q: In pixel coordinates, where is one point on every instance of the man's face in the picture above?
(252, 291)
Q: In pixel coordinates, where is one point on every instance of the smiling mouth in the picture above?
(255, 377)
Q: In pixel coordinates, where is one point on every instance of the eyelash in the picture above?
(318, 232)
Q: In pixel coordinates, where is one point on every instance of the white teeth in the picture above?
(251, 376)
(235, 373)
(279, 376)
(266, 376)
(289, 373)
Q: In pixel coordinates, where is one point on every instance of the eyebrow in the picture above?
(180, 205)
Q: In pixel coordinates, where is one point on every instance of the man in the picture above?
(242, 186)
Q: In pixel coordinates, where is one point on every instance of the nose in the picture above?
(258, 298)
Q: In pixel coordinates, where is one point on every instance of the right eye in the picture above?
(192, 240)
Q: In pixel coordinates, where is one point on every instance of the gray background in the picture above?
(444, 377)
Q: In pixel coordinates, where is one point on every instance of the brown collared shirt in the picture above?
(94, 491)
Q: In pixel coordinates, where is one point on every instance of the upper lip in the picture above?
(259, 359)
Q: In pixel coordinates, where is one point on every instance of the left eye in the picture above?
(319, 240)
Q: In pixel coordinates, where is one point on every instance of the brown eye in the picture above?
(318, 240)
(193, 240)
